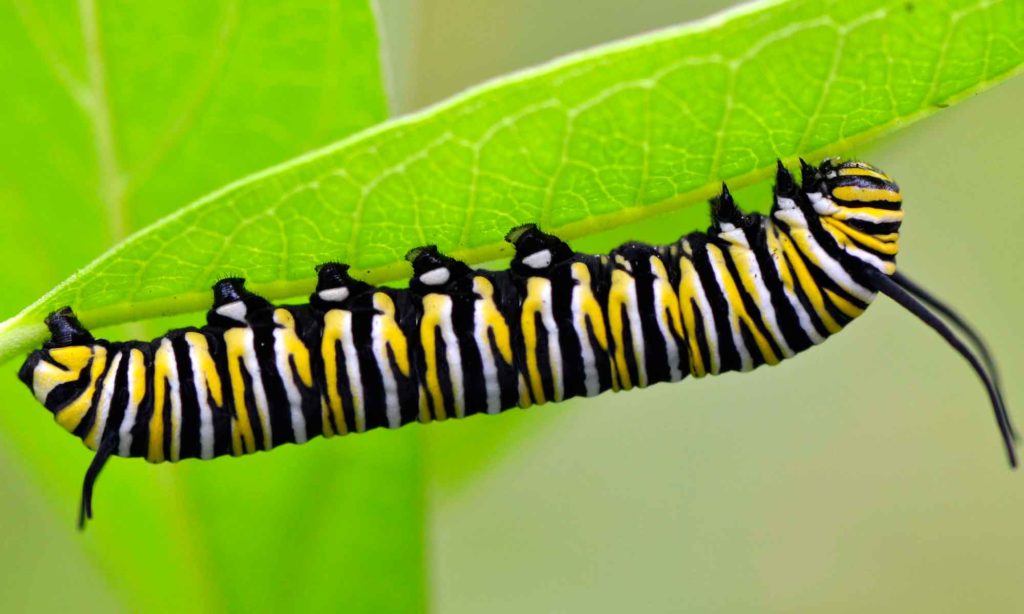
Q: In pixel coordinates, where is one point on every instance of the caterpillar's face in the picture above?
(855, 185)
(857, 204)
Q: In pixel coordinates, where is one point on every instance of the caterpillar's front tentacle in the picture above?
(960, 323)
(890, 288)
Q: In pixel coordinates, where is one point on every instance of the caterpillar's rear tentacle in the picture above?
(894, 291)
(103, 453)
(956, 319)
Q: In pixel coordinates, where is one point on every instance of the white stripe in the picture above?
(453, 356)
(763, 298)
(865, 256)
(234, 310)
(708, 317)
(828, 265)
(490, 368)
(554, 349)
(878, 218)
(380, 352)
(779, 260)
(637, 332)
(352, 370)
(103, 407)
(671, 347)
(435, 277)
(205, 413)
(579, 322)
(252, 365)
(334, 295)
(131, 411)
(291, 388)
(174, 392)
(746, 362)
(538, 260)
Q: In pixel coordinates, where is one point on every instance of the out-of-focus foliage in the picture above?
(116, 114)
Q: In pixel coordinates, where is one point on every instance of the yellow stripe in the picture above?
(424, 406)
(161, 373)
(329, 353)
(431, 320)
(91, 440)
(72, 414)
(738, 310)
(618, 298)
(864, 195)
(294, 347)
(492, 317)
(589, 305)
(862, 172)
(687, 297)
(807, 283)
(591, 310)
(205, 366)
(741, 258)
(532, 305)
(72, 358)
(393, 334)
(48, 376)
(137, 375)
(669, 316)
(843, 305)
(872, 242)
(243, 440)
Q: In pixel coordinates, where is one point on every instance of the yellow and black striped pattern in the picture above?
(753, 290)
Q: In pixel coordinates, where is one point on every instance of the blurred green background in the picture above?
(864, 475)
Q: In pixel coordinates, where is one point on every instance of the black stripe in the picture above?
(189, 439)
(785, 314)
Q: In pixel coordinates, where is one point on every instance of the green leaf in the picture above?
(589, 142)
(115, 114)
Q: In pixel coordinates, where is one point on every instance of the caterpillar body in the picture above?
(458, 341)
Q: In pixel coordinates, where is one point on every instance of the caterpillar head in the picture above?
(62, 374)
(856, 204)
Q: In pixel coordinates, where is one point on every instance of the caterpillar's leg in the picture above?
(233, 305)
(536, 251)
(65, 329)
(433, 271)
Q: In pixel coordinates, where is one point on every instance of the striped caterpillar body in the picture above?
(458, 341)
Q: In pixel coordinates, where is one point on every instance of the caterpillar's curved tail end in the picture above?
(914, 299)
(105, 450)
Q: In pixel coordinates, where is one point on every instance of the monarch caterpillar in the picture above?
(458, 341)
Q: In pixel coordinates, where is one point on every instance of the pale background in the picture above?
(866, 475)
